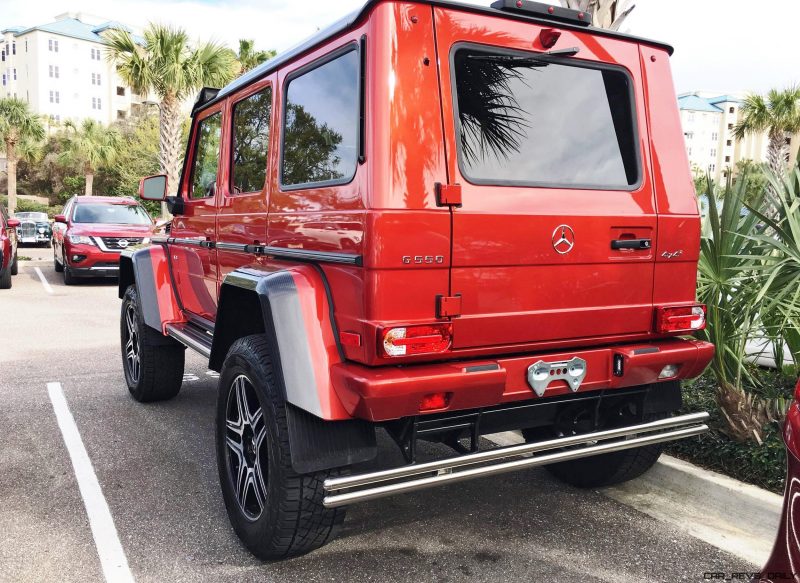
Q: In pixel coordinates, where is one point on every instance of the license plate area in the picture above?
(541, 374)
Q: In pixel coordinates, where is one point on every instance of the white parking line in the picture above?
(46, 285)
(112, 557)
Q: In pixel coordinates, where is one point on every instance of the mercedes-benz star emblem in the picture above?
(563, 239)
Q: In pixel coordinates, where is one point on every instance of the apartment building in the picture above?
(62, 71)
(708, 120)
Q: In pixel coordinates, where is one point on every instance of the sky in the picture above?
(723, 46)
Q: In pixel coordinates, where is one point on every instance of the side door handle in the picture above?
(631, 244)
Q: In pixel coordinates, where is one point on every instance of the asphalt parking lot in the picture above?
(156, 468)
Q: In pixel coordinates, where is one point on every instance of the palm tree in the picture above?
(605, 13)
(90, 146)
(17, 122)
(777, 114)
(250, 58)
(169, 67)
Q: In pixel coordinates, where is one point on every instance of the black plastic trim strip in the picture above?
(482, 367)
(362, 103)
(279, 252)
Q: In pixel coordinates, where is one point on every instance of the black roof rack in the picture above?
(529, 11)
(545, 11)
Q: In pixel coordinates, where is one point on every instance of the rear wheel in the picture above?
(276, 512)
(601, 470)
(153, 363)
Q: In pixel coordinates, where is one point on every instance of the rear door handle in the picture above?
(631, 244)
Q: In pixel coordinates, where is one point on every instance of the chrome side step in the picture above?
(359, 488)
(192, 337)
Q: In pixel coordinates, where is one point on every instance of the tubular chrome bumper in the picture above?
(359, 488)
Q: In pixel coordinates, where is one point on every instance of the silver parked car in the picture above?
(34, 228)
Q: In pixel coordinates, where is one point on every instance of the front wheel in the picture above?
(15, 265)
(58, 266)
(276, 512)
(69, 278)
(153, 363)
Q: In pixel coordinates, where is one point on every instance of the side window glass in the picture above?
(250, 147)
(320, 139)
(206, 157)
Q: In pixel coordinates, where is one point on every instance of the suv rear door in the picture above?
(553, 239)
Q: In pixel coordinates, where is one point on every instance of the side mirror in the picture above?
(153, 187)
(13, 223)
(60, 219)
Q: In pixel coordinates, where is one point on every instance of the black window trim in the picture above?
(230, 190)
(315, 64)
(196, 129)
(569, 61)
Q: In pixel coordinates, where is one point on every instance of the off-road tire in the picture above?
(293, 520)
(5, 278)
(161, 359)
(607, 469)
(15, 265)
(59, 267)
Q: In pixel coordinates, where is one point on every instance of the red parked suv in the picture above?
(8, 248)
(520, 252)
(95, 231)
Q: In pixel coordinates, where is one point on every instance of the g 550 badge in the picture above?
(423, 259)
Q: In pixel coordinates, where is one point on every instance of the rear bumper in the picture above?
(381, 394)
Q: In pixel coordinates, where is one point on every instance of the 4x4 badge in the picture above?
(563, 239)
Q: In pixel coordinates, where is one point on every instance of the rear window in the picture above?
(525, 119)
(112, 214)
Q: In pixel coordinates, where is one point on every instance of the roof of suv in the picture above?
(347, 21)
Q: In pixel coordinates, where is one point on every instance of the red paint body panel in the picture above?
(784, 561)
(8, 244)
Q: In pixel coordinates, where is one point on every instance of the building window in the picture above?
(691, 116)
(714, 136)
(96, 103)
(54, 73)
(3, 54)
(121, 114)
(52, 45)
(121, 91)
(731, 110)
(713, 152)
(689, 135)
(95, 54)
(727, 158)
(689, 151)
(57, 118)
(730, 126)
(13, 48)
(728, 143)
(26, 45)
(95, 78)
(4, 79)
(55, 97)
(712, 167)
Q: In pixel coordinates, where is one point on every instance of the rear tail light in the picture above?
(411, 340)
(680, 319)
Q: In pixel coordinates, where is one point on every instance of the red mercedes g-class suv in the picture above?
(520, 253)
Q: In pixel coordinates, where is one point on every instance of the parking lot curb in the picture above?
(739, 518)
